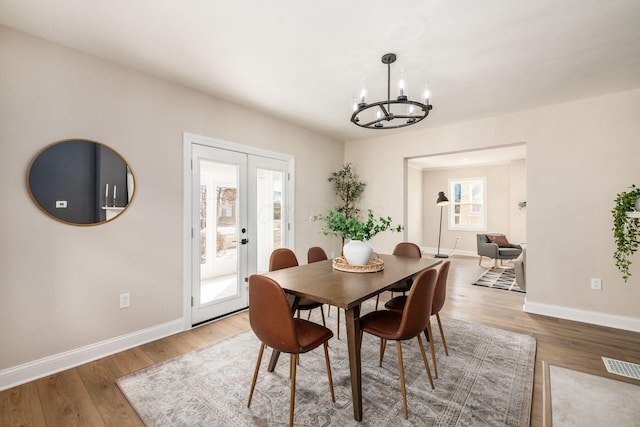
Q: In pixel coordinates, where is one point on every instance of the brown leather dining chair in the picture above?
(410, 250)
(271, 321)
(315, 254)
(439, 297)
(405, 325)
(285, 258)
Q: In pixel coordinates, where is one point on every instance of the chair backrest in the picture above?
(407, 249)
(315, 254)
(417, 309)
(441, 288)
(270, 315)
(282, 258)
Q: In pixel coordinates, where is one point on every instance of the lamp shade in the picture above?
(442, 199)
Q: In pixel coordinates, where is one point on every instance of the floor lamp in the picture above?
(442, 202)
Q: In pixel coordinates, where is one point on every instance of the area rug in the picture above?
(499, 278)
(487, 379)
(581, 399)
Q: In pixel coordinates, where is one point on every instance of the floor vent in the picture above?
(618, 367)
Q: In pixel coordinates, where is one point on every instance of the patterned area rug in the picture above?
(499, 278)
(487, 379)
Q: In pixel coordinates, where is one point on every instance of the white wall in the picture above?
(579, 156)
(59, 284)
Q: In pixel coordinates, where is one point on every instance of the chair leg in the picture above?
(424, 359)
(383, 346)
(495, 263)
(255, 373)
(293, 363)
(444, 341)
(322, 313)
(377, 299)
(433, 349)
(402, 384)
(309, 315)
(480, 262)
(326, 358)
(338, 324)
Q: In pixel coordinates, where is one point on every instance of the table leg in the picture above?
(353, 342)
(293, 302)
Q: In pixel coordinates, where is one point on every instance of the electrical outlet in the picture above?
(596, 284)
(125, 300)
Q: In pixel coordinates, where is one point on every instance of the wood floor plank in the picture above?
(100, 382)
(20, 406)
(66, 402)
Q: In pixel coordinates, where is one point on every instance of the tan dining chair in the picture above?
(316, 254)
(405, 325)
(271, 321)
(410, 250)
(285, 258)
(439, 297)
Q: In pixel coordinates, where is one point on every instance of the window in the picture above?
(468, 204)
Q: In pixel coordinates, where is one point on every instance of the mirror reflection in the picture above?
(81, 182)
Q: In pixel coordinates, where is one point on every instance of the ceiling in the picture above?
(303, 61)
(485, 157)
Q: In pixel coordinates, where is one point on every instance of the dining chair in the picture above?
(398, 303)
(271, 321)
(285, 258)
(405, 325)
(410, 250)
(315, 254)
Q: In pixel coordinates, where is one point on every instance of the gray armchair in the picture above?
(495, 251)
(519, 265)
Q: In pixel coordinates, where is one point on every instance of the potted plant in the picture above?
(626, 229)
(357, 251)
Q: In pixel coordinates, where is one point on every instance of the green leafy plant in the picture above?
(626, 230)
(337, 223)
(348, 189)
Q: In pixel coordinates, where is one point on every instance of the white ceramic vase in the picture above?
(357, 252)
(638, 204)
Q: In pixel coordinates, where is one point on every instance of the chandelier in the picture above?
(375, 114)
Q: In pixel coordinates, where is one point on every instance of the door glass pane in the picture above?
(269, 187)
(218, 231)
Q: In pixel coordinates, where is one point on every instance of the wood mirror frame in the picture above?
(80, 182)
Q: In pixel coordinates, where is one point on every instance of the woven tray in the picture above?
(375, 264)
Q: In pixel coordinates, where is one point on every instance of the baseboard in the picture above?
(433, 251)
(30, 371)
(584, 316)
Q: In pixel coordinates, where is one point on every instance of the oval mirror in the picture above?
(80, 182)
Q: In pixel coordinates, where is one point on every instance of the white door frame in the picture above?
(188, 140)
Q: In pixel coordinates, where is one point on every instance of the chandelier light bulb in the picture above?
(403, 87)
(427, 96)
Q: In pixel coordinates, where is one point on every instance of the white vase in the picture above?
(638, 204)
(357, 252)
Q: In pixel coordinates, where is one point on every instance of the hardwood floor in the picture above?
(88, 394)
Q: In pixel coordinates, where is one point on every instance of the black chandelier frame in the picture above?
(385, 106)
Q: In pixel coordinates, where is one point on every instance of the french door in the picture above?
(239, 216)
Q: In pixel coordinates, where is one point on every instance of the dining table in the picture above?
(320, 281)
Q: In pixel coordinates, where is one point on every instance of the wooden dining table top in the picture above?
(320, 282)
